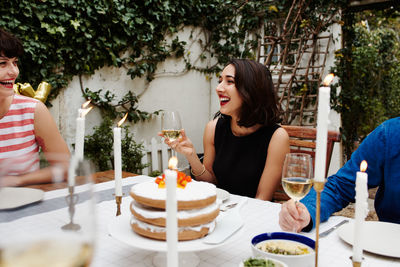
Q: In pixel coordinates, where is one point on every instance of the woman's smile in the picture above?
(223, 100)
(7, 83)
(229, 98)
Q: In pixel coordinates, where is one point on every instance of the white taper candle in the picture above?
(117, 161)
(361, 211)
(322, 133)
(71, 171)
(172, 221)
(79, 137)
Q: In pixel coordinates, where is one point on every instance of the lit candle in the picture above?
(71, 171)
(83, 108)
(79, 137)
(117, 157)
(80, 130)
(322, 129)
(361, 210)
(79, 141)
(80, 133)
(171, 209)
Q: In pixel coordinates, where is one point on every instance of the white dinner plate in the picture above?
(379, 237)
(222, 195)
(14, 197)
(120, 228)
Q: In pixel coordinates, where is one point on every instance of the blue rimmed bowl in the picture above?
(303, 260)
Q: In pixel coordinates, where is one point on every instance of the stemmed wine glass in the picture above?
(297, 175)
(40, 233)
(171, 125)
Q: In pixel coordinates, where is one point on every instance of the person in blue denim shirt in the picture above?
(381, 150)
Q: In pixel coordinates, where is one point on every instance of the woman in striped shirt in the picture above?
(25, 125)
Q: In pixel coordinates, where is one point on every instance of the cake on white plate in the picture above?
(197, 208)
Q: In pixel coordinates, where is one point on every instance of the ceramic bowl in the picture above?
(277, 263)
(304, 260)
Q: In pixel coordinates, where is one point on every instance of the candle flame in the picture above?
(122, 120)
(328, 79)
(84, 105)
(86, 111)
(363, 166)
(173, 163)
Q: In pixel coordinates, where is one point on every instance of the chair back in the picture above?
(302, 139)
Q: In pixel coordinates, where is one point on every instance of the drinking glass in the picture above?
(58, 230)
(171, 125)
(297, 175)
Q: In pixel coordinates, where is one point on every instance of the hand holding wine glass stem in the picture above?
(297, 176)
(181, 145)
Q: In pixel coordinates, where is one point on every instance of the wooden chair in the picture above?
(303, 140)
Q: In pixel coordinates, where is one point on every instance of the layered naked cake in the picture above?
(197, 208)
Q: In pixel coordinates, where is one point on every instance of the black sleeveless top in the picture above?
(240, 160)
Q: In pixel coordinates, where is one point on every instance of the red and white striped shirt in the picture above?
(17, 136)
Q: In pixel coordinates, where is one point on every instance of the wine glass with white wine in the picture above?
(171, 125)
(297, 175)
(59, 231)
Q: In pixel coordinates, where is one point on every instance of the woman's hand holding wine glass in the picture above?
(297, 179)
(175, 137)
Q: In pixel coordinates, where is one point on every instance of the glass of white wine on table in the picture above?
(297, 175)
(55, 231)
(171, 125)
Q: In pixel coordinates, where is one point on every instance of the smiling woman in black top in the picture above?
(244, 147)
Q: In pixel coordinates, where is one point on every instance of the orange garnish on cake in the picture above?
(181, 180)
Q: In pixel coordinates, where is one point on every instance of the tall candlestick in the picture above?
(322, 130)
(80, 130)
(71, 171)
(172, 221)
(117, 161)
(320, 152)
(79, 137)
(361, 210)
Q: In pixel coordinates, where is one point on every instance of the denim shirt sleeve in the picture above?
(339, 189)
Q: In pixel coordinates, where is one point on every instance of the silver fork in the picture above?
(227, 207)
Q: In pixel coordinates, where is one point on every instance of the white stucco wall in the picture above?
(172, 89)
(191, 93)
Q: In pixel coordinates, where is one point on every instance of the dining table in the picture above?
(258, 217)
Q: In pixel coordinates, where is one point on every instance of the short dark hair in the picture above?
(254, 84)
(10, 46)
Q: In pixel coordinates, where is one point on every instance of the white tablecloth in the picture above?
(260, 216)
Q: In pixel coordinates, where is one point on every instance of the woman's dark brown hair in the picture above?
(254, 84)
(10, 46)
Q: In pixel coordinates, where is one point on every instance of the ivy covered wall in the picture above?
(131, 46)
(73, 37)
